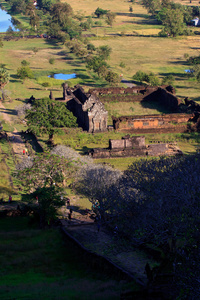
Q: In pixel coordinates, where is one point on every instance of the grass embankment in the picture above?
(8, 184)
(38, 264)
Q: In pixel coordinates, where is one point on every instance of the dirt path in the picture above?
(14, 136)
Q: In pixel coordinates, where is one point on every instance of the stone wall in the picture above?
(147, 122)
(134, 146)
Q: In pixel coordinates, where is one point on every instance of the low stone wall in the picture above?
(117, 90)
(147, 123)
(100, 262)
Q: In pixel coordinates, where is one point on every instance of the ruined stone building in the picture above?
(152, 123)
(89, 110)
(92, 116)
(134, 146)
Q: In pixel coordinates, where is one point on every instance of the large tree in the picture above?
(61, 13)
(173, 22)
(47, 116)
(45, 202)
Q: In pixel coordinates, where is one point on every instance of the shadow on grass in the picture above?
(196, 99)
(36, 89)
(83, 212)
(180, 75)
(31, 139)
(9, 111)
(14, 78)
(155, 105)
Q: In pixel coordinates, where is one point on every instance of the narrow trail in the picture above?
(14, 136)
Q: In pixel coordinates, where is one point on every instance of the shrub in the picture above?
(122, 65)
(24, 72)
(52, 61)
(25, 63)
(46, 84)
(139, 76)
(169, 79)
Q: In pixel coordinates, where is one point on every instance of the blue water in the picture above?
(189, 71)
(5, 21)
(63, 76)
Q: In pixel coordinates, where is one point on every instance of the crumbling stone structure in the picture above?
(165, 95)
(92, 116)
(134, 146)
(158, 123)
(89, 110)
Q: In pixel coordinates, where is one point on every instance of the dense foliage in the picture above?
(47, 116)
(155, 201)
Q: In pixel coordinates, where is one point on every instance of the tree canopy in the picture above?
(4, 77)
(47, 116)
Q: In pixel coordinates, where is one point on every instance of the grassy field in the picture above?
(36, 264)
(134, 43)
(14, 52)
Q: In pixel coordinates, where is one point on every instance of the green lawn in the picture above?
(41, 264)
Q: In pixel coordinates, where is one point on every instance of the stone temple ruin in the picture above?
(92, 116)
(89, 110)
(134, 146)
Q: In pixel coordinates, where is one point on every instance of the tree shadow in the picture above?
(84, 150)
(180, 75)
(32, 140)
(37, 89)
(180, 62)
(15, 78)
(83, 212)
(9, 111)
(152, 104)
(53, 42)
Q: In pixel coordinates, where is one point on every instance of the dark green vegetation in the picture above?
(47, 116)
(154, 202)
(37, 264)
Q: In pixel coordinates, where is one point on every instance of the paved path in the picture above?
(128, 83)
(104, 242)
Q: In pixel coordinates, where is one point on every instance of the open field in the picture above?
(138, 49)
(39, 264)
(14, 52)
(134, 42)
(163, 56)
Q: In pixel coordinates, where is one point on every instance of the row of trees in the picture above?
(152, 79)
(173, 16)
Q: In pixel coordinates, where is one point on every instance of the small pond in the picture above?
(5, 21)
(63, 76)
(189, 71)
